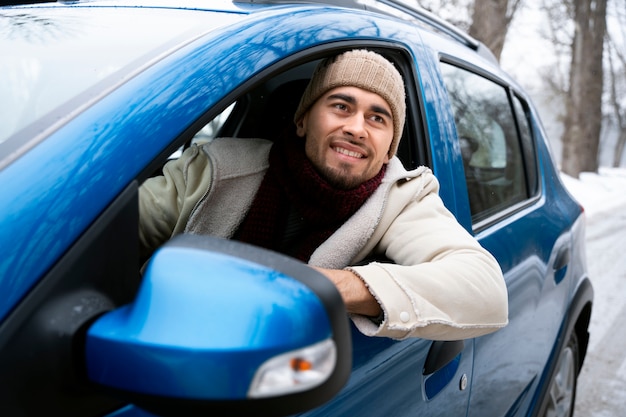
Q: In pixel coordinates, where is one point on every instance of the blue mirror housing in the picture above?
(223, 327)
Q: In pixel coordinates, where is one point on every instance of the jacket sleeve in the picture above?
(442, 285)
(166, 201)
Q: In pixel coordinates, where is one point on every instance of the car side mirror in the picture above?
(221, 327)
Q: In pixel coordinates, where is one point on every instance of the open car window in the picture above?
(208, 132)
(266, 111)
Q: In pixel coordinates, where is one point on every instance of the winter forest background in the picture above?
(570, 56)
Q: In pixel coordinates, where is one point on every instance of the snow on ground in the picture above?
(602, 383)
(599, 193)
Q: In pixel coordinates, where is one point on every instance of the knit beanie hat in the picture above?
(364, 69)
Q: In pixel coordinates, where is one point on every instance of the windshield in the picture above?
(53, 54)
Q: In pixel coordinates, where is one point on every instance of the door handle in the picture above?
(442, 353)
(562, 258)
(560, 263)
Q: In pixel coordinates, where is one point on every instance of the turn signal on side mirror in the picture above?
(295, 371)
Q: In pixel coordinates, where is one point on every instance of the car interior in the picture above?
(267, 111)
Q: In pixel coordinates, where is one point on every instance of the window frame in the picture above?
(527, 146)
(414, 145)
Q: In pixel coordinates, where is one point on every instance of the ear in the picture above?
(301, 126)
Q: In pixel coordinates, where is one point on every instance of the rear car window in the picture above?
(487, 129)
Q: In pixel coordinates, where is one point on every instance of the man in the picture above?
(335, 196)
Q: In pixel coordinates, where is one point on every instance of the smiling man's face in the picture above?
(348, 133)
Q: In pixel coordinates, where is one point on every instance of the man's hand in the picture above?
(357, 298)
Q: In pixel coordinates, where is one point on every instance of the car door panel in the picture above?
(388, 379)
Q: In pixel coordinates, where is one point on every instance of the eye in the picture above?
(380, 119)
(341, 106)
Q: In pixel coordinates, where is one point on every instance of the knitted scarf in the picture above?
(293, 184)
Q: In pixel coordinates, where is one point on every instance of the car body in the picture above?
(97, 96)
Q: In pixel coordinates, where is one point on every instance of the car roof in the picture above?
(403, 9)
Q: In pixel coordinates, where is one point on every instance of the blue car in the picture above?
(96, 96)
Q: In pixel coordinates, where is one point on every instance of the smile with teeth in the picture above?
(347, 152)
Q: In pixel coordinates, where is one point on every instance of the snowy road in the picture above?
(602, 383)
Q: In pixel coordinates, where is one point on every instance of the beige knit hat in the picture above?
(364, 69)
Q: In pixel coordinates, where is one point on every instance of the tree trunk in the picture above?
(619, 148)
(583, 118)
(616, 71)
(490, 24)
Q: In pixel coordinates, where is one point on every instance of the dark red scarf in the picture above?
(292, 183)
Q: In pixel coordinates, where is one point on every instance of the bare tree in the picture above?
(490, 22)
(583, 117)
(559, 33)
(616, 83)
(457, 12)
(486, 20)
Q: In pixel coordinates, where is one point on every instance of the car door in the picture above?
(502, 174)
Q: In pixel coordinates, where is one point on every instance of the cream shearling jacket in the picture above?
(442, 285)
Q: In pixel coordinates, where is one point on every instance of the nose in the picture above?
(354, 126)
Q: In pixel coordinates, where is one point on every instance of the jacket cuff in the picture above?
(396, 322)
